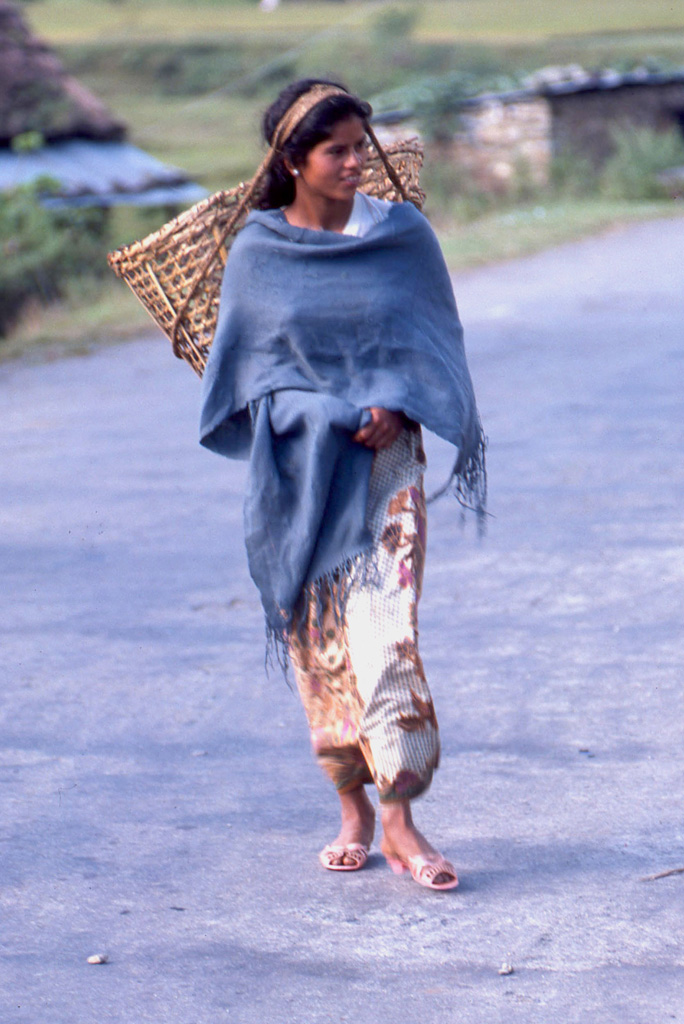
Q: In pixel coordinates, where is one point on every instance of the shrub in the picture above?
(452, 192)
(572, 174)
(640, 155)
(42, 249)
(395, 23)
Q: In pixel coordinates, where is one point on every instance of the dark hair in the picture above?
(279, 187)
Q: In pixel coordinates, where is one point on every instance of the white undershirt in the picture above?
(366, 212)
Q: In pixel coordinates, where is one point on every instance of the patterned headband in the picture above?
(295, 114)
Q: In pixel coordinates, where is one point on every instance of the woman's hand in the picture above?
(382, 431)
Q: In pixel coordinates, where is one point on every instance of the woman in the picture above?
(337, 337)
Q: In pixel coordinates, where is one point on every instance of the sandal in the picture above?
(356, 851)
(424, 869)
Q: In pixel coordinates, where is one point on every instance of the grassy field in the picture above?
(68, 21)
(528, 229)
(533, 20)
(216, 141)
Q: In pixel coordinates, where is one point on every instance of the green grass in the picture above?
(532, 228)
(533, 20)
(71, 21)
(102, 313)
(215, 140)
(68, 21)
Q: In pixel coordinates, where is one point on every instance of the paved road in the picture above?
(159, 800)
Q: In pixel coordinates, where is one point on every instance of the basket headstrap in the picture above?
(290, 120)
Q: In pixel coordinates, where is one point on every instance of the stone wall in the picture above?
(503, 142)
(512, 139)
(582, 121)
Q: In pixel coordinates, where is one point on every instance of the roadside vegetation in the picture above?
(190, 80)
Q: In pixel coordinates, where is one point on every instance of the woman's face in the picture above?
(332, 169)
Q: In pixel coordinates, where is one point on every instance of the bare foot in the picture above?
(358, 824)
(402, 840)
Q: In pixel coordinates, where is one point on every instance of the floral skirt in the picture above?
(359, 674)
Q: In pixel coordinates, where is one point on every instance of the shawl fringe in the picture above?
(468, 483)
(331, 591)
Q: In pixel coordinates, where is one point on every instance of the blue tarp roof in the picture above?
(93, 173)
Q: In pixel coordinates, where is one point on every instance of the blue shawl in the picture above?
(315, 327)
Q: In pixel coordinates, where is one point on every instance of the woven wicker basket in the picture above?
(176, 272)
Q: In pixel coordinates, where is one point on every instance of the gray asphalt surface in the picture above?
(159, 801)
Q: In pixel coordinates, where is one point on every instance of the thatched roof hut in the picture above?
(37, 94)
(80, 144)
